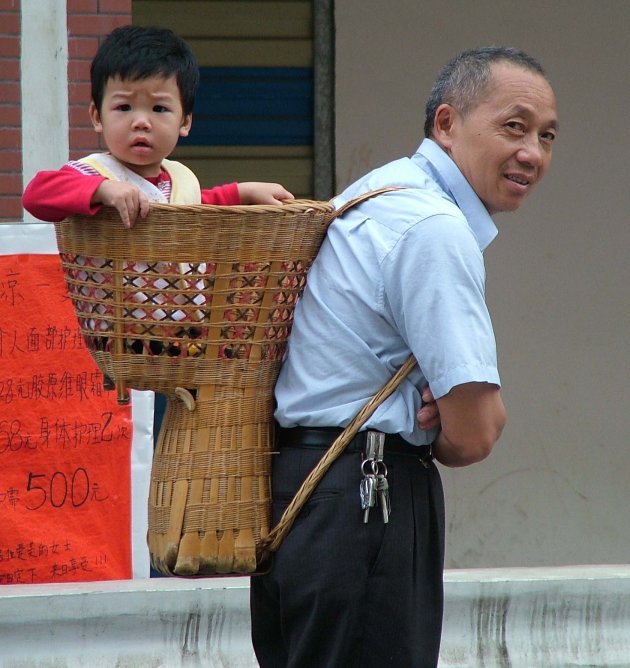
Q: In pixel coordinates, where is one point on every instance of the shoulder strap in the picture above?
(273, 540)
(362, 198)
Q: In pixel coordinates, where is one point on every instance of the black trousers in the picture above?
(344, 594)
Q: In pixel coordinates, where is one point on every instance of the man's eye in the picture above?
(548, 136)
(516, 125)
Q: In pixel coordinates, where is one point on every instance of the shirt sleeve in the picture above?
(435, 286)
(54, 195)
(226, 195)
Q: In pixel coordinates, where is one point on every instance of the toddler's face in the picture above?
(141, 121)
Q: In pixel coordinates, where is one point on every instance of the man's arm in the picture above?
(472, 417)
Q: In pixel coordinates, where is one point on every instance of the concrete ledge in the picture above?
(158, 623)
(537, 617)
(516, 618)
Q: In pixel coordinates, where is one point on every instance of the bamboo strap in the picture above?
(272, 542)
(361, 198)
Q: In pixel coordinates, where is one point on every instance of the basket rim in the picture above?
(296, 206)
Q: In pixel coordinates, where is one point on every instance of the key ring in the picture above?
(373, 465)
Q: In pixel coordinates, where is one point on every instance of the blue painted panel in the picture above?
(253, 106)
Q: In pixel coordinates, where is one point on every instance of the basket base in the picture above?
(210, 494)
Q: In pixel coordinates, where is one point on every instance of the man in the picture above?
(397, 274)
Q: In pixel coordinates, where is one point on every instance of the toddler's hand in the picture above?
(255, 192)
(125, 198)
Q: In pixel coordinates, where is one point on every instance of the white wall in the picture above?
(555, 490)
(44, 77)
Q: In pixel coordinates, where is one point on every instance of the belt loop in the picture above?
(374, 443)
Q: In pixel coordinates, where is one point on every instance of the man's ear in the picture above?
(186, 125)
(95, 117)
(443, 122)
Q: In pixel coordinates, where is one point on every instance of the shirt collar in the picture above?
(430, 156)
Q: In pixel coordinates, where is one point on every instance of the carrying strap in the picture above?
(337, 213)
(273, 540)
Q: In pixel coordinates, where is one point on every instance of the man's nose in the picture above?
(531, 151)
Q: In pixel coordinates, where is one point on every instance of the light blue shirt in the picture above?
(397, 274)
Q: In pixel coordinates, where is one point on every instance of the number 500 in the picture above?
(58, 490)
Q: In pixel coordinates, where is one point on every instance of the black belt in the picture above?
(323, 437)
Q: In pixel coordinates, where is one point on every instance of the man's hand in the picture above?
(127, 199)
(472, 417)
(428, 417)
(255, 192)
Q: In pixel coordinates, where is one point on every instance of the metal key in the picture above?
(382, 486)
(368, 495)
(382, 489)
(369, 467)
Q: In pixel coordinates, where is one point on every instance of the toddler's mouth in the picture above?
(141, 142)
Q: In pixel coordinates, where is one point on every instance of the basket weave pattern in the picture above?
(196, 302)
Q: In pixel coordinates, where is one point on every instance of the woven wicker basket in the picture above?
(196, 302)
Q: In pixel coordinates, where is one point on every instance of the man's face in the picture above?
(503, 145)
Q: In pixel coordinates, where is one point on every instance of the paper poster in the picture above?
(70, 482)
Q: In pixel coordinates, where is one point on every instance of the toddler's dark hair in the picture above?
(135, 52)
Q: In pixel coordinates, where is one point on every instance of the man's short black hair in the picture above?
(133, 53)
(463, 80)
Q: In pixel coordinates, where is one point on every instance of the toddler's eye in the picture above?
(159, 108)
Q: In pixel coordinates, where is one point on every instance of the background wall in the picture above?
(555, 491)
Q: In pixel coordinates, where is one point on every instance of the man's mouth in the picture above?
(522, 181)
